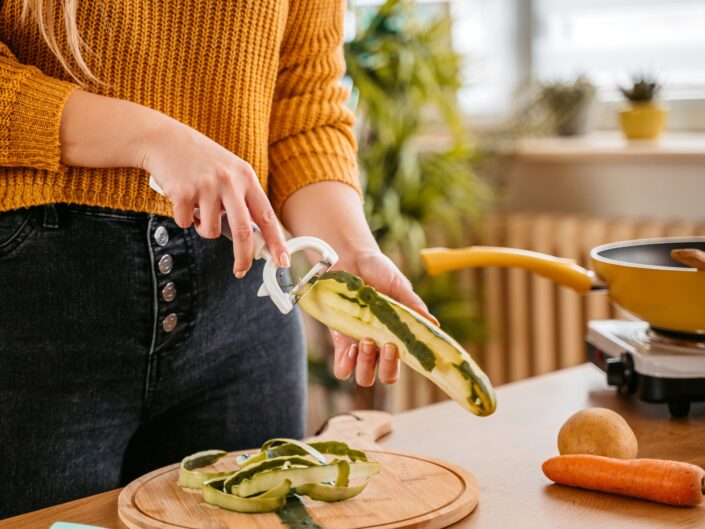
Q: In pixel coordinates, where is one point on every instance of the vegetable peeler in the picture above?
(275, 282)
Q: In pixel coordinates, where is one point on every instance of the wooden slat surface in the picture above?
(518, 303)
(493, 306)
(570, 329)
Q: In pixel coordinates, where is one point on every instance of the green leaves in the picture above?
(643, 90)
(406, 74)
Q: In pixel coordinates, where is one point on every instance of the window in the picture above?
(484, 32)
(611, 39)
(509, 42)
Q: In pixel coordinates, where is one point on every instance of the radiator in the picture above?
(534, 326)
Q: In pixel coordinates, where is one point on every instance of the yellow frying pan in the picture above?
(642, 276)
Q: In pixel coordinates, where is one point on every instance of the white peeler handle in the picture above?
(270, 287)
(261, 251)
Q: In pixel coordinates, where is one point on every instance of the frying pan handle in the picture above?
(562, 271)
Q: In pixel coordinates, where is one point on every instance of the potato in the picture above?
(597, 431)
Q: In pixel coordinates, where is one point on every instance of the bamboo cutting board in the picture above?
(409, 492)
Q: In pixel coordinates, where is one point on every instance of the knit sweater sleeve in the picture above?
(310, 138)
(31, 104)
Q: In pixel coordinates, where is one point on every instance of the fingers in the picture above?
(388, 364)
(208, 222)
(345, 355)
(183, 212)
(363, 358)
(263, 214)
(401, 290)
(241, 228)
(366, 363)
(216, 181)
(245, 201)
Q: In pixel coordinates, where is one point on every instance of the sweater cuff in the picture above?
(31, 109)
(308, 158)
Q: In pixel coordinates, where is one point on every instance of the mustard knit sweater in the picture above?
(260, 77)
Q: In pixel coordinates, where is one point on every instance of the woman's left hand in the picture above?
(332, 211)
(365, 356)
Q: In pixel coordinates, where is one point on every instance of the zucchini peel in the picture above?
(341, 301)
(272, 500)
(192, 478)
(281, 468)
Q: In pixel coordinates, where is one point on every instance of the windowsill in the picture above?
(611, 146)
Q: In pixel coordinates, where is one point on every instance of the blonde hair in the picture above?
(43, 13)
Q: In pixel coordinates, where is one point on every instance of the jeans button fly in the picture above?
(161, 236)
(166, 264)
(169, 322)
(169, 291)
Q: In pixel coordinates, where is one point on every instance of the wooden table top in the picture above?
(505, 452)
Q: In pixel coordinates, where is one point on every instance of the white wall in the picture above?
(624, 189)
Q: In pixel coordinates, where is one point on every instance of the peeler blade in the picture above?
(280, 288)
(309, 279)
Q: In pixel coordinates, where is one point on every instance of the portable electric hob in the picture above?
(656, 366)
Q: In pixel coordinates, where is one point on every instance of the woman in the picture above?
(125, 341)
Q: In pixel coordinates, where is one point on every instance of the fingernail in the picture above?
(368, 346)
(240, 274)
(388, 351)
(352, 352)
(284, 260)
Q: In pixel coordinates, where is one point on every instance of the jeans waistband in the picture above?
(52, 215)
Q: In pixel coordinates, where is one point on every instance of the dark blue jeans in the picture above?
(125, 344)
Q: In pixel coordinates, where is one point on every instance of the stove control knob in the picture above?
(621, 373)
(616, 372)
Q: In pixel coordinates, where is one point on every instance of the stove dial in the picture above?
(620, 373)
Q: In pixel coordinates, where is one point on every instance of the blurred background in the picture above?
(551, 125)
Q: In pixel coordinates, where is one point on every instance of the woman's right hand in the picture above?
(193, 170)
(196, 172)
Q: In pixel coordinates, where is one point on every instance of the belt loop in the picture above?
(51, 216)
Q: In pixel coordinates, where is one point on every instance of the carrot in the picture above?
(658, 480)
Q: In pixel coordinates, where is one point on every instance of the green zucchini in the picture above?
(341, 301)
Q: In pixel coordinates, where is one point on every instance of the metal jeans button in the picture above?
(161, 236)
(169, 291)
(166, 264)
(169, 322)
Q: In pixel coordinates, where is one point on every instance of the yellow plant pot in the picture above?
(644, 121)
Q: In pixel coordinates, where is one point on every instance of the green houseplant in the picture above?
(568, 105)
(644, 118)
(406, 75)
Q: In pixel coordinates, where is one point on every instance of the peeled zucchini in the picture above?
(341, 301)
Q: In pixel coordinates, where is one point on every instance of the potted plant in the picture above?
(644, 119)
(406, 74)
(568, 105)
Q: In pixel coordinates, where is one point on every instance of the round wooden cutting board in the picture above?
(409, 491)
